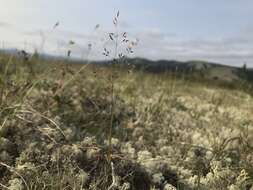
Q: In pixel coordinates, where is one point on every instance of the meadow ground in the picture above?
(168, 132)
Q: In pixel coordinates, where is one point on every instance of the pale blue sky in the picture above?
(212, 30)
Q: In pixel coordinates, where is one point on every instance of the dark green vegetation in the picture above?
(170, 130)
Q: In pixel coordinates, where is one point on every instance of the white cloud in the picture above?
(233, 50)
(153, 44)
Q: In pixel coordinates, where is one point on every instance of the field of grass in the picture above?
(167, 132)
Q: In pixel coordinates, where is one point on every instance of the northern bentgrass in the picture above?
(121, 47)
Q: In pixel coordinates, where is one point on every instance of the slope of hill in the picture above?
(206, 70)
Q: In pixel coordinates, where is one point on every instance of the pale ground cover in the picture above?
(167, 134)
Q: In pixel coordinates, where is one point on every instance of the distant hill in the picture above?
(204, 69)
(207, 70)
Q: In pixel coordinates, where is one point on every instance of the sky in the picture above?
(211, 30)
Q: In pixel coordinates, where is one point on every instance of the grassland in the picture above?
(168, 132)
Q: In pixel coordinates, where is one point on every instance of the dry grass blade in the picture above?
(5, 187)
(13, 170)
(35, 112)
(72, 78)
(114, 181)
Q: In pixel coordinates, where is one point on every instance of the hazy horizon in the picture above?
(215, 31)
